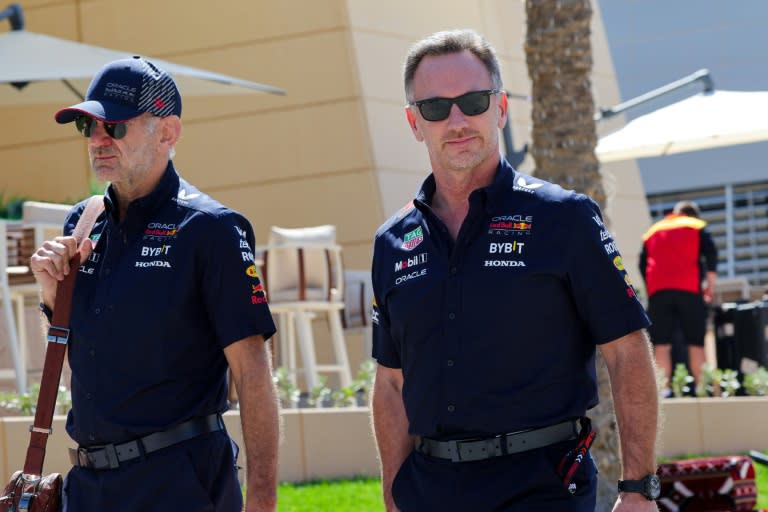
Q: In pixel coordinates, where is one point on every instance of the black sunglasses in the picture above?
(86, 124)
(471, 104)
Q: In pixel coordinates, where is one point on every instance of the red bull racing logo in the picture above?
(157, 230)
(511, 225)
(258, 294)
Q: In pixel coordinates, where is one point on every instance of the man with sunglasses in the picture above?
(167, 299)
(492, 291)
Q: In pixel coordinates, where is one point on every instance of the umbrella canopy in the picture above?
(58, 70)
(704, 121)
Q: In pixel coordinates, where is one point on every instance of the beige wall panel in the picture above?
(398, 189)
(412, 20)
(31, 5)
(379, 61)
(393, 145)
(274, 146)
(514, 73)
(53, 172)
(521, 135)
(380, 57)
(601, 54)
(58, 20)
(34, 124)
(203, 24)
(504, 25)
(312, 69)
(349, 201)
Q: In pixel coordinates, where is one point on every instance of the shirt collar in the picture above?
(502, 181)
(144, 206)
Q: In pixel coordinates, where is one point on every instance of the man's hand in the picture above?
(50, 263)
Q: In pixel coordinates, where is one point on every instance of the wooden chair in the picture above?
(16, 284)
(304, 279)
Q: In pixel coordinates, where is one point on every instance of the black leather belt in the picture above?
(466, 450)
(109, 456)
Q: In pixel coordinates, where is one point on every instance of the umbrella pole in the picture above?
(701, 75)
(73, 89)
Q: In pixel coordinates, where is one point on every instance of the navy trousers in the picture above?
(198, 475)
(523, 482)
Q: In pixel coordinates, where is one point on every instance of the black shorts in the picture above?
(673, 309)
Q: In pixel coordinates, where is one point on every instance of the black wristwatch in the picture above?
(649, 486)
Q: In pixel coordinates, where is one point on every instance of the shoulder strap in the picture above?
(58, 336)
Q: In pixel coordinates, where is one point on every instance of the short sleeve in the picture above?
(604, 295)
(385, 350)
(232, 290)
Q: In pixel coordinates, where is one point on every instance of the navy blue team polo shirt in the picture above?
(154, 305)
(497, 332)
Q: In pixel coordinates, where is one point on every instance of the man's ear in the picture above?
(412, 122)
(503, 106)
(170, 130)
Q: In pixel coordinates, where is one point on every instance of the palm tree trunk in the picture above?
(559, 57)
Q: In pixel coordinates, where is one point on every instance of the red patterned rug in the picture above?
(712, 484)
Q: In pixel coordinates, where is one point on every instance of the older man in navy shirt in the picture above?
(493, 290)
(164, 304)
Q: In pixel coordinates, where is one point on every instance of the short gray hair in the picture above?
(152, 123)
(447, 42)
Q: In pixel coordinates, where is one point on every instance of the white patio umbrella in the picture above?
(37, 68)
(57, 71)
(706, 120)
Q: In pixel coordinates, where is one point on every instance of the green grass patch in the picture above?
(761, 478)
(364, 494)
(355, 495)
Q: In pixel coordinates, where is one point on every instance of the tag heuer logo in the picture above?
(412, 239)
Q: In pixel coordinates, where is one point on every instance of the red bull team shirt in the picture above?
(154, 305)
(496, 332)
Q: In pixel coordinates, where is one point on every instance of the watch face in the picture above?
(652, 487)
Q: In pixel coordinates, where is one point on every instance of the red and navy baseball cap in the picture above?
(124, 89)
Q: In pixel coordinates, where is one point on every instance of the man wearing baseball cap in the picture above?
(166, 301)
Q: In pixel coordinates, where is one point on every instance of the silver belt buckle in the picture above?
(82, 458)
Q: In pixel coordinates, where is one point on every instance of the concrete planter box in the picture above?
(316, 443)
(716, 425)
(337, 443)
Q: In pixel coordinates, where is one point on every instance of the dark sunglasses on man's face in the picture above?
(85, 125)
(471, 104)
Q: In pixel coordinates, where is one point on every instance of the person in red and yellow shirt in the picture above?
(678, 254)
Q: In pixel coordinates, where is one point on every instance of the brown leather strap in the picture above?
(58, 336)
